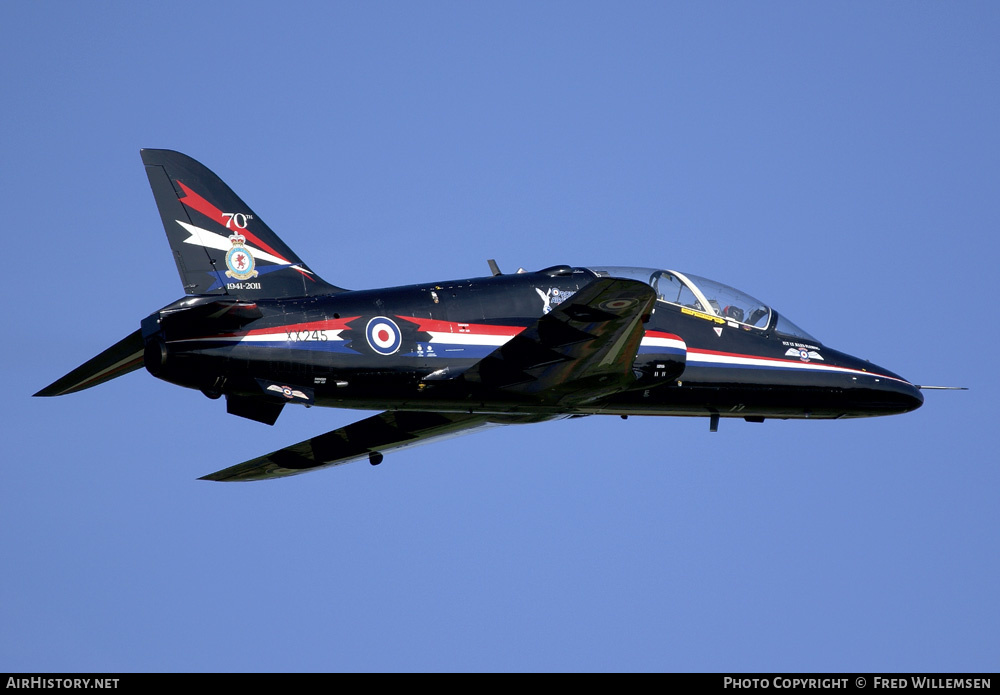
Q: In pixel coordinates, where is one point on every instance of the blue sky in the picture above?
(837, 160)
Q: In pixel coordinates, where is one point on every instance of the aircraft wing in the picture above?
(366, 439)
(121, 358)
(582, 349)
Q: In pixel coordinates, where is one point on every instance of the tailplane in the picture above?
(219, 244)
(121, 358)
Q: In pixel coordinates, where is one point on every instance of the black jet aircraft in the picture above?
(261, 328)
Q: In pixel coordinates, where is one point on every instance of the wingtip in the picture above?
(219, 476)
(228, 476)
(50, 391)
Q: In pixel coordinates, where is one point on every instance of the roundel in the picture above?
(383, 335)
(618, 304)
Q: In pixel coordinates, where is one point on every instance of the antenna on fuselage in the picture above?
(494, 268)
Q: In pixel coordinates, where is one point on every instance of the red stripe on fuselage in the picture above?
(739, 354)
(800, 364)
(436, 326)
(745, 356)
(780, 360)
(661, 334)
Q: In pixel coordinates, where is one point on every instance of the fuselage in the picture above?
(406, 348)
(441, 359)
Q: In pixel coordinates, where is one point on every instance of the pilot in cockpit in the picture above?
(733, 312)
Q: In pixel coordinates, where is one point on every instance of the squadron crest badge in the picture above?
(552, 297)
(239, 260)
(803, 354)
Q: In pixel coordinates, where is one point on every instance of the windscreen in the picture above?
(730, 303)
(707, 296)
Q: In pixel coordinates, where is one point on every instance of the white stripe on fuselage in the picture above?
(330, 335)
(710, 359)
(468, 338)
(498, 340)
(437, 337)
(656, 341)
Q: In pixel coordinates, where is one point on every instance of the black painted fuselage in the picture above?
(260, 328)
(688, 363)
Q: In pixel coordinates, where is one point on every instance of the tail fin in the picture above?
(219, 244)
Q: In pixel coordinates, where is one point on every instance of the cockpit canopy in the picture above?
(708, 297)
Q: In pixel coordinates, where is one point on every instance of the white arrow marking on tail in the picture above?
(211, 240)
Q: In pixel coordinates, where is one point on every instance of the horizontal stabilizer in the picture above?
(121, 358)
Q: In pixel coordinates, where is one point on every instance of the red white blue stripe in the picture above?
(716, 359)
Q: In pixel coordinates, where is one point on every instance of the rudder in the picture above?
(219, 244)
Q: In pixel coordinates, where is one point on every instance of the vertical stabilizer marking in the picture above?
(196, 202)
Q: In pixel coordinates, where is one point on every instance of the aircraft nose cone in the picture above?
(891, 394)
(878, 391)
(906, 396)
